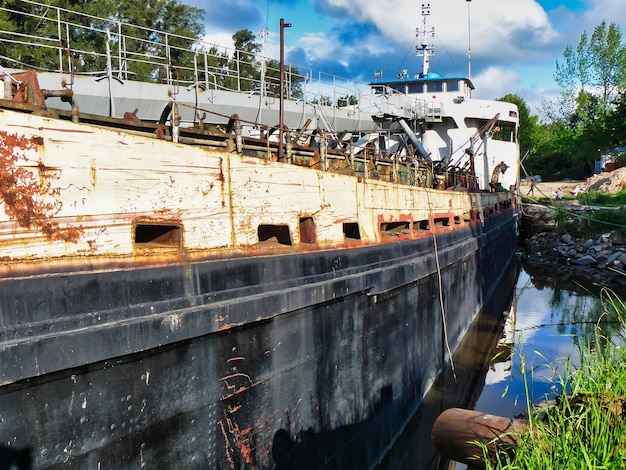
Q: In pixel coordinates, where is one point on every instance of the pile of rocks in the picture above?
(603, 258)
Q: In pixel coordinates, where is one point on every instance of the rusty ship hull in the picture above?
(205, 306)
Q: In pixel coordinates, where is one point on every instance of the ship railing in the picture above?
(385, 100)
(427, 110)
(60, 40)
(337, 91)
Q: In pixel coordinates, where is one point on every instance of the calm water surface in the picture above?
(550, 317)
(545, 321)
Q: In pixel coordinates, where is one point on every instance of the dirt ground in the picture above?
(606, 182)
(548, 189)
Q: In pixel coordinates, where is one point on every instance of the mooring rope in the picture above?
(443, 309)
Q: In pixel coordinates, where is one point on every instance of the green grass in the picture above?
(595, 198)
(607, 212)
(604, 220)
(592, 198)
(591, 223)
(536, 199)
(586, 426)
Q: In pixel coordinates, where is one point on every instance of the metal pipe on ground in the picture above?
(456, 433)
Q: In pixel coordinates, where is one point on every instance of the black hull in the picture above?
(459, 385)
(304, 360)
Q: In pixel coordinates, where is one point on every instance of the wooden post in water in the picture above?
(456, 432)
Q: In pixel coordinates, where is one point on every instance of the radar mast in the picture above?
(424, 49)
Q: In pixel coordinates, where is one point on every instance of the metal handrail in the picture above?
(221, 68)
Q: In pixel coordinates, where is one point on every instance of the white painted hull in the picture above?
(98, 193)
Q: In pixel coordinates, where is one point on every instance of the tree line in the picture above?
(588, 119)
(157, 38)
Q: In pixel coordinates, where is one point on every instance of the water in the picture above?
(545, 322)
(551, 317)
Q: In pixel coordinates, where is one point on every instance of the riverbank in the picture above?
(610, 182)
(580, 237)
(601, 257)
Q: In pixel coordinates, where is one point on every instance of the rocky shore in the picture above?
(599, 259)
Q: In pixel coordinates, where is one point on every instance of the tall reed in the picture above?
(585, 426)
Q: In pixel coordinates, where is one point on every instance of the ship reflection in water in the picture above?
(458, 386)
(544, 321)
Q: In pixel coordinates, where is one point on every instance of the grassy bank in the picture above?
(592, 198)
(585, 427)
(604, 212)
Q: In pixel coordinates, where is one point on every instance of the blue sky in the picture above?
(514, 43)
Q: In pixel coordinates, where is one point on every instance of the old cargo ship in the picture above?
(202, 292)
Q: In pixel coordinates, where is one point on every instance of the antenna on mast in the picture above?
(263, 33)
(424, 49)
(469, 42)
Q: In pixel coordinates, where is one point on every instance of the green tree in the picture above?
(347, 101)
(597, 66)
(245, 69)
(21, 20)
(294, 80)
(585, 118)
(323, 100)
(216, 64)
(244, 66)
(163, 29)
(554, 145)
(84, 33)
(616, 122)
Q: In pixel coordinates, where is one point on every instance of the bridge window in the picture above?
(452, 85)
(433, 87)
(416, 88)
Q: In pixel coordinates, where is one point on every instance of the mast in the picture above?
(263, 32)
(424, 49)
(281, 130)
(469, 42)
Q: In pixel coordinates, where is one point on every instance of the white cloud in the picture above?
(224, 40)
(495, 82)
(316, 44)
(599, 10)
(500, 28)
